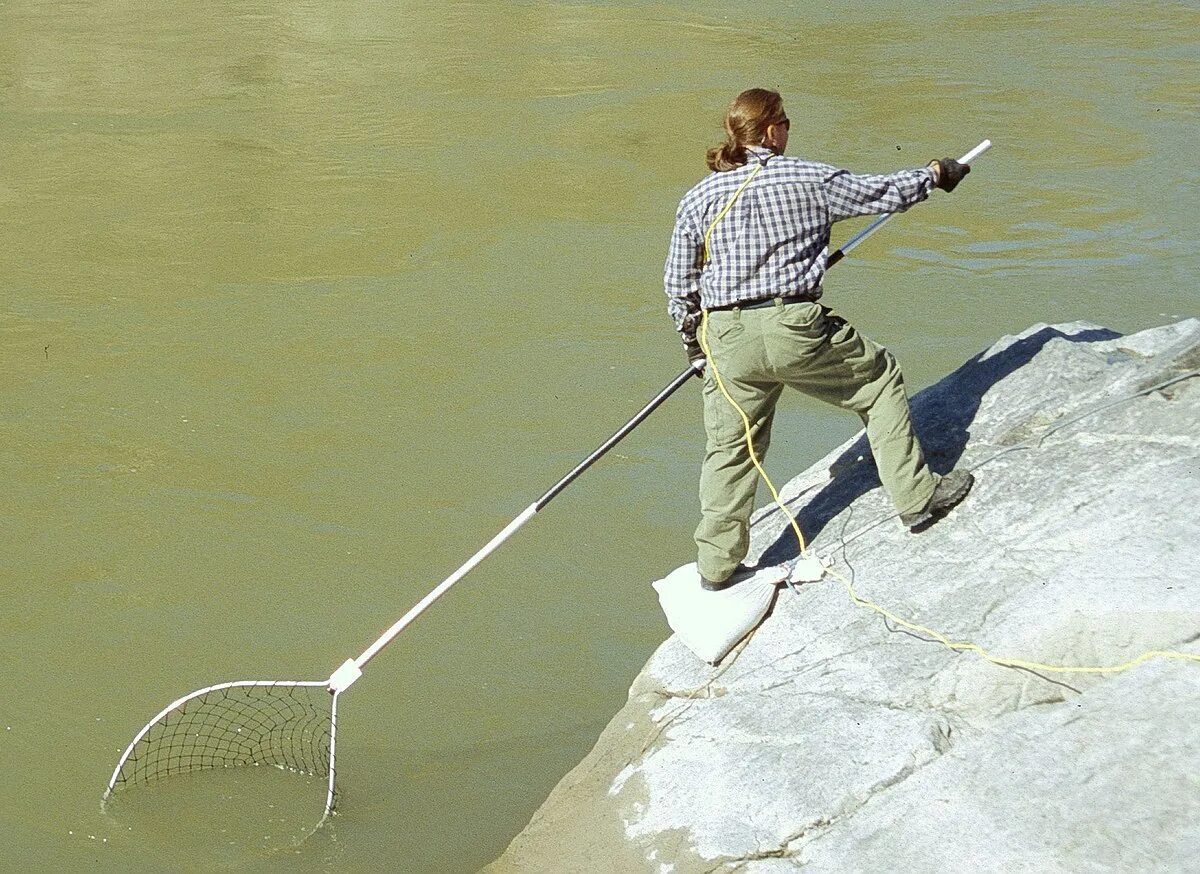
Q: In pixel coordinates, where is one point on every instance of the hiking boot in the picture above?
(741, 572)
(948, 492)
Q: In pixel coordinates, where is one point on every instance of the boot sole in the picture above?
(949, 503)
(742, 573)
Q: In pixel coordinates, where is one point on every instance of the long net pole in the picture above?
(293, 724)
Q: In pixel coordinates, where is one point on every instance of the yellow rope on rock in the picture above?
(955, 646)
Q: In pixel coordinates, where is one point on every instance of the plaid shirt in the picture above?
(775, 239)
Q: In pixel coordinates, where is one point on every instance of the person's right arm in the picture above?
(681, 279)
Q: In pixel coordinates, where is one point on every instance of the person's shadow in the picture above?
(942, 415)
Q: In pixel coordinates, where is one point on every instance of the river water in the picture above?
(301, 302)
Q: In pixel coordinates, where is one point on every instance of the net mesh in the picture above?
(287, 724)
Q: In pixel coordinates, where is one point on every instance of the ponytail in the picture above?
(746, 123)
(727, 156)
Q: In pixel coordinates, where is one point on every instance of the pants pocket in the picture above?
(807, 319)
(722, 424)
(723, 327)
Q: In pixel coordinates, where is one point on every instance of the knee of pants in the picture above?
(886, 379)
(889, 368)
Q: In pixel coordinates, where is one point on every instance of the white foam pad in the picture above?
(710, 624)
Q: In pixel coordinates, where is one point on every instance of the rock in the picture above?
(839, 741)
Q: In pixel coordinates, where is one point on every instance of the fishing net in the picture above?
(291, 725)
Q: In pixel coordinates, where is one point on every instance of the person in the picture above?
(750, 248)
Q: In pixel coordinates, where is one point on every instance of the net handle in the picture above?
(351, 670)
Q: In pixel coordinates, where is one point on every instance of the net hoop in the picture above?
(320, 764)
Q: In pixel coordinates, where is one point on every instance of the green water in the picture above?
(301, 303)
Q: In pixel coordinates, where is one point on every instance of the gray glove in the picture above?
(695, 355)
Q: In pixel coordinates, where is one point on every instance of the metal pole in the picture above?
(352, 674)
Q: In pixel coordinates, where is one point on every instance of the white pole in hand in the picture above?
(975, 152)
(883, 219)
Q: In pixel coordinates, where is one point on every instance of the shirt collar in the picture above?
(760, 153)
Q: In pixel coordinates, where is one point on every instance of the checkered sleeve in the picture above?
(681, 276)
(849, 195)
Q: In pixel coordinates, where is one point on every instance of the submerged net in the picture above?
(291, 725)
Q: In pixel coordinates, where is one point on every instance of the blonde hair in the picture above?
(746, 123)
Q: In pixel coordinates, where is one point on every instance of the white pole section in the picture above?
(444, 586)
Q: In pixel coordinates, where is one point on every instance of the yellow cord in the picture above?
(724, 210)
(956, 646)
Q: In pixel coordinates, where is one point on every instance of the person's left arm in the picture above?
(849, 195)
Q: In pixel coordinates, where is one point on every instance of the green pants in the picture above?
(802, 345)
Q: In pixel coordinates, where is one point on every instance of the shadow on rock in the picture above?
(942, 415)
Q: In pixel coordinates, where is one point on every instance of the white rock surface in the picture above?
(833, 741)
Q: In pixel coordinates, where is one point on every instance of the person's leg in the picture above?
(728, 479)
(831, 361)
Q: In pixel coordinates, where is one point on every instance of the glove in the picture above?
(949, 173)
(695, 355)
